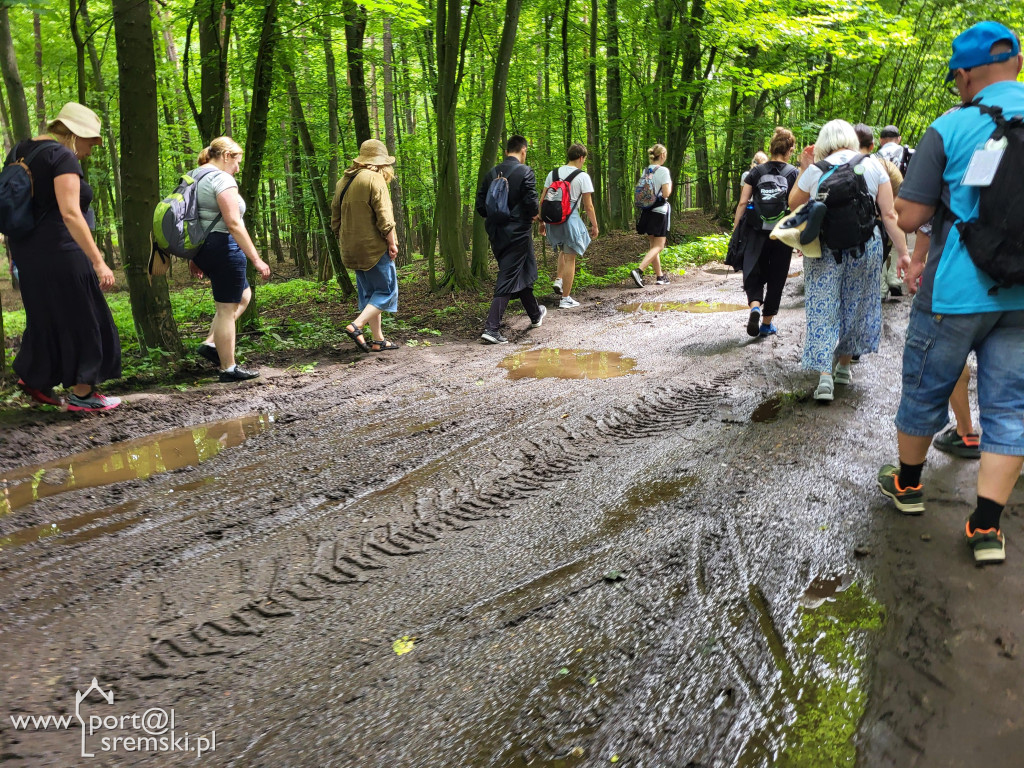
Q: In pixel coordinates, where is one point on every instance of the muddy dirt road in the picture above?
(428, 559)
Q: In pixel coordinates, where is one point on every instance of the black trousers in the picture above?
(770, 272)
(500, 303)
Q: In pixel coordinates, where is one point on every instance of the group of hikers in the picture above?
(844, 207)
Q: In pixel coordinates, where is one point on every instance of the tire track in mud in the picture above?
(322, 566)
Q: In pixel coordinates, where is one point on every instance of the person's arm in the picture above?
(227, 201)
(588, 205)
(381, 201)
(68, 188)
(911, 271)
(745, 194)
(797, 196)
(889, 221)
(912, 215)
(666, 188)
(481, 197)
(543, 228)
(528, 190)
(922, 189)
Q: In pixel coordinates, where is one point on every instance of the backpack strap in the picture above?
(569, 180)
(199, 175)
(554, 176)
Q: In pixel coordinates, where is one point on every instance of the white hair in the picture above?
(833, 136)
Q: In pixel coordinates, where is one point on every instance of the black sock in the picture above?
(910, 474)
(986, 514)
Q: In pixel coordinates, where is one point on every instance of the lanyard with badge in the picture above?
(984, 163)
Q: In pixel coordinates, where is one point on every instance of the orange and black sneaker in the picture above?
(988, 544)
(964, 446)
(909, 501)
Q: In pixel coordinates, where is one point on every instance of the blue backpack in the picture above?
(16, 190)
(496, 202)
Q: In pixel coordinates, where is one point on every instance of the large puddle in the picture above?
(567, 364)
(677, 306)
(129, 460)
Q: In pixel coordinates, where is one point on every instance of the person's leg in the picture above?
(960, 402)
(776, 273)
(498, 306)
(246, 298)
(567, 271)
(530, 304)
(657, 245)
(371, 315)
(821, 292)
(223, 333)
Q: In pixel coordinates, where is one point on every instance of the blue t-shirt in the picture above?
(951, 284)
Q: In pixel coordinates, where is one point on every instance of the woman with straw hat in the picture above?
(364, 223)
(70, 337)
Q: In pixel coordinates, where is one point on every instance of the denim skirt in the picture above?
(378, 285)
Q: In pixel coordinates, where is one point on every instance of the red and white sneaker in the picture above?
(42, 396)
(94, 401)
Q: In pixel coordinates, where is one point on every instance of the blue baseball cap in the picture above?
(972, 48)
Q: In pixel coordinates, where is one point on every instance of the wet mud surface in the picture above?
(424, 559)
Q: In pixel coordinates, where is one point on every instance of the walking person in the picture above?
(964, 302)
(363, 220)
(568, 236)
(70, 337)
(891, 284)
(843, 306)
(654, 220)
(222, 255)
(759, 158)
(510, 231)
(764, 200)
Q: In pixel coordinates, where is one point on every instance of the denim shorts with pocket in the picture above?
(933, 358)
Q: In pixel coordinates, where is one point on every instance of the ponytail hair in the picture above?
(658, 151)
(219, 147)
(782, 141)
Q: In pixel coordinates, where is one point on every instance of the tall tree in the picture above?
(213, 64)
(355, 29)
(389, 139)
(136, 68)
(37, 33)
(20, 125)
(566, 83)
(616, 146)
(594, 120)
(495, 126)
(332, 108)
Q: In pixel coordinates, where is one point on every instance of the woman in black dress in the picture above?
(70, 337)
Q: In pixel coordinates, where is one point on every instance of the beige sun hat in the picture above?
(80, 120)
(373, 152)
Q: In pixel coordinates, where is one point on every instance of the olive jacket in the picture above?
(362, 220)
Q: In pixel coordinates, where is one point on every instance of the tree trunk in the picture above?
(492, 141)
(332, 109)
(705, 200)
(213, 62)
(136, 66)
(616, 147)
(179, 97)
(355, 28)
(322, 204)
(275, 228)
(594, 122)
(40, 92)
(20, 125)
(566, 85)
(389, 139)
(256, 138)
(76, 37)
(293, 168)
(5, 123)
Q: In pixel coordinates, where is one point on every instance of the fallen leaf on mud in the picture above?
(404, 645)
(479, 382)
(577, 752)
(615, 758)
(593, 681)
(614, 575)
(563, 671)
(565, 415)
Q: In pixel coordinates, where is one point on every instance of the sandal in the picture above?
(357, 336)
(382, 345)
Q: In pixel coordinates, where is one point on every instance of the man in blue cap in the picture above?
(956, 310)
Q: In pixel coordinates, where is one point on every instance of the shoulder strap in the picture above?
(573, 175)
(37, 150)
(554, 176)
(342, 196)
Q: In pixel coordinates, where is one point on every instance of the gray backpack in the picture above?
(176, 227)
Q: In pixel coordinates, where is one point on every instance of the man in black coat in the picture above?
(512, 241)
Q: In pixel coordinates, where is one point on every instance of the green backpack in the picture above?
(176, 227)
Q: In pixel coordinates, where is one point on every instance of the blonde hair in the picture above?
(63, 134)
(833, 136)
(219, 147)
(759, 157)
(657, 152)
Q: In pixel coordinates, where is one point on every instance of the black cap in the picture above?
(890, 132)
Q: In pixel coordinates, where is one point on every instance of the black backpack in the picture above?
(771, 194)
(496, 202)
(995, 240)
(17, 219)
(850, 219)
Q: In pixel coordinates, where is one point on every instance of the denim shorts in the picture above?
(223, 262)
(933, 358)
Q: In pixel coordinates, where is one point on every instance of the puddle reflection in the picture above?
(129, 460)
(701, 307)
(567, 364)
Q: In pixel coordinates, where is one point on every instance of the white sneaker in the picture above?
(568, 302)
(543, 312)
(556, 286)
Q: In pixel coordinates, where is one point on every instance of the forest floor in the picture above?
(659, 554)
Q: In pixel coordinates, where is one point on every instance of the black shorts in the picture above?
(223, 262)
(654, 224)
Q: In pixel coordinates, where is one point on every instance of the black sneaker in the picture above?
(638, 277)
(493, 337)
(662, 280)
(754, 322)
(238, 374)
(965, 446)
(207, 352)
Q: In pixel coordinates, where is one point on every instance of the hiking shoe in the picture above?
(638, 277)
(754, 322)
(895, 290)
(568, 302)
(238, 374)
(825, 389)
(556, 286)
(909, 501)
(855, 359)
(41, 396)
(966, 447)
(94, 401)
(493, 337)
(539, 320)
(767, 330)
(207, 352)
(843, 375)
(662, 280)
(988, 544)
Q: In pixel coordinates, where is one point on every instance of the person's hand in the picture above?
(195, 271)
(910, 271)
(263, 268)
(105, 276)
(807, 157)
(593, 230)
(542, 229)
(393, 250)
